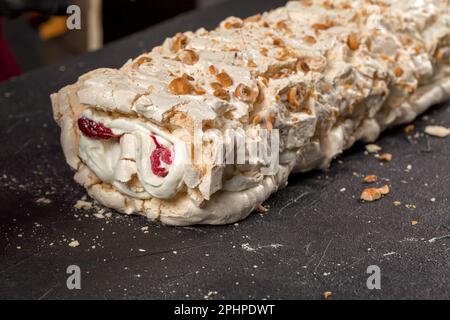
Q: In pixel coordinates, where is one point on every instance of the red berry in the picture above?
(95, 130)
(160, 153)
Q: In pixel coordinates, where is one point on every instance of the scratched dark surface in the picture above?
(315, 237)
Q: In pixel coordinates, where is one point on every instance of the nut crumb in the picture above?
(370, 178)
(327, 294)
(373, 194)
(385, 157)
(414, 222)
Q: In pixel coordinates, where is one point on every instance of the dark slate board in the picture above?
(315, 238)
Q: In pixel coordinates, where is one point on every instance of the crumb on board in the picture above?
(370, 178)
(409, 129)
(43, 200)
(327, 294)
(373, 148)
(414, 222)
(74, 244)
(385, 157)
(397, 203)
(373, 194)
(82, 205)
(261, 209)
(437, 131)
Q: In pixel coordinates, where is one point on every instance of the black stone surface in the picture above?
(314, 238)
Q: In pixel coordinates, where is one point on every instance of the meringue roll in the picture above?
(313, 77)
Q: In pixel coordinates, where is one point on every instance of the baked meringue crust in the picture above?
(325, 74)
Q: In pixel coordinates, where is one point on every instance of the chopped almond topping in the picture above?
(179, 42)
(142, 60)
(321, 26)
(256, 119)
(189, 57)
(278, 42)
(352, 41)
(328, 4)
(310, 39)
(398, 72)
(222, 94)
(212, 70)
(292, 98)
(386, 157)
(369, 44)
(284, 55)
(224, 79)
(236, 23)
(251, 64)
(269, 123)
(216, 86)
(244, 93)
(303, 66)
(370, 178)
(264, 51)
(180, 86)
(282, 25)
(255, 18)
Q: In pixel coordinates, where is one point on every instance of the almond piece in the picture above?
(251, 64)
(212, 70)
(179, 42)
(180, 86)
(352, 41)
(303, 66)
(292, 98)
(371, 194)
(224, 79)
(386, 157)
(189, 57)
(222, 94)
(398, 72)
(370, 178)
(310, 39)
(244, 93)
(141, 61)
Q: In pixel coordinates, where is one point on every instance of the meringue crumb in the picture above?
(43, 200)
(370, 178)
(327, 294)
(373, 194)
(82, 205)
(373, 148)
(74, 244)
(385, 157)
(437, 131)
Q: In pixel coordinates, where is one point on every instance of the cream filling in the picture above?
(103, 156)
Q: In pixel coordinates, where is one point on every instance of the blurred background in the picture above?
(34, 33)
